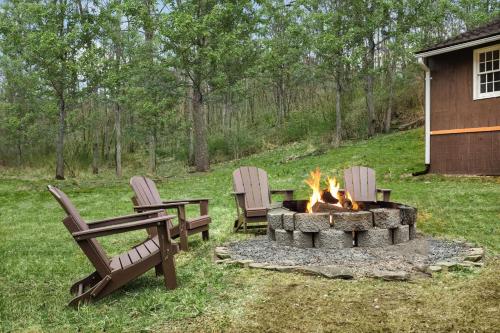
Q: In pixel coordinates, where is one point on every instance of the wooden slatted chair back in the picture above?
(360, 183)
(254, 183)
(146, 193)
(74, 222)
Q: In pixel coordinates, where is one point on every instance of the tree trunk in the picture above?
(338, 112)
(60, 139)
(118, 141)
(280, 101)
(201, 160)
(369, 86)
(388, 113)
(95, 157)
(188, 118)
(152, 151)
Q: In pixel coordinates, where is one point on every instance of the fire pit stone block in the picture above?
(352, 221)
(408, 214)
(375, 237)
(316, 222)
(288, 221)
(386, 217)
(333, 239)
(401, 234)
(283, 237)
(271, 233)
(413, 231)
(302, 240)
(275, 218)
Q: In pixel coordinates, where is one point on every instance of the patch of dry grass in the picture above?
(280, 302)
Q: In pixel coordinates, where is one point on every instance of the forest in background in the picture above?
(97, 85)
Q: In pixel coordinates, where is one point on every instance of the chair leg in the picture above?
(167, 257)
(168, 269)
(205, 235)
(183, 234)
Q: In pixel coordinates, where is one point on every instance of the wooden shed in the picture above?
(462, 102)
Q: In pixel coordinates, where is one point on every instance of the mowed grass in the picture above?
(39, 260)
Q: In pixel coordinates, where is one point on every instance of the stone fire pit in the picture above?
(375, 225)
(378, 241)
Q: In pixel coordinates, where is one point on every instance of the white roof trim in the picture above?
(458, 46)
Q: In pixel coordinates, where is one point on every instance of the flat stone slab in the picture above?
(331, 272)
(352, 221)
(312, 222)
(391, 275)
(386, 217)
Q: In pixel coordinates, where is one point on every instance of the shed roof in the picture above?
(488, 30)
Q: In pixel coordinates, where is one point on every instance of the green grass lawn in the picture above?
(39, 260)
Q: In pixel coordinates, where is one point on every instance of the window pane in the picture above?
(495, 54)
(495, 65)
(481, 67)
(497, 86)
(488, 66)
(490, 87)
(488, 55)
(497, 76)
(481, 57)
(483, 78)
(483, 88)
(490, 77)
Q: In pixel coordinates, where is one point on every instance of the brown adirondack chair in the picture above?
(112, 273)
(361, 184)
(253, 196)
(147, 198)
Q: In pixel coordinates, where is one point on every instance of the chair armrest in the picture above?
(161, 206)
(123, 219)
(189, 201)
(125, 227)
(386, 193)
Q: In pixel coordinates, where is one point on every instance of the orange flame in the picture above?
(355, 205)
(313, 181)
(333, 188)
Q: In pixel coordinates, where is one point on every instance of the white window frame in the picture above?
(477, 93)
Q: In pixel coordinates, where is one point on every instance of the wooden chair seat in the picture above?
(140, 252)
(256, 211)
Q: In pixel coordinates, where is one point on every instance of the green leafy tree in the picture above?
(203, 34)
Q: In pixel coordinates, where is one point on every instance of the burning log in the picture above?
(327, 197)
(322, 207)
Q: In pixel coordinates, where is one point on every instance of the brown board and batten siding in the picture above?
(453, 108)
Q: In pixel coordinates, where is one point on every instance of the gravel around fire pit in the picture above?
(423, 254)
